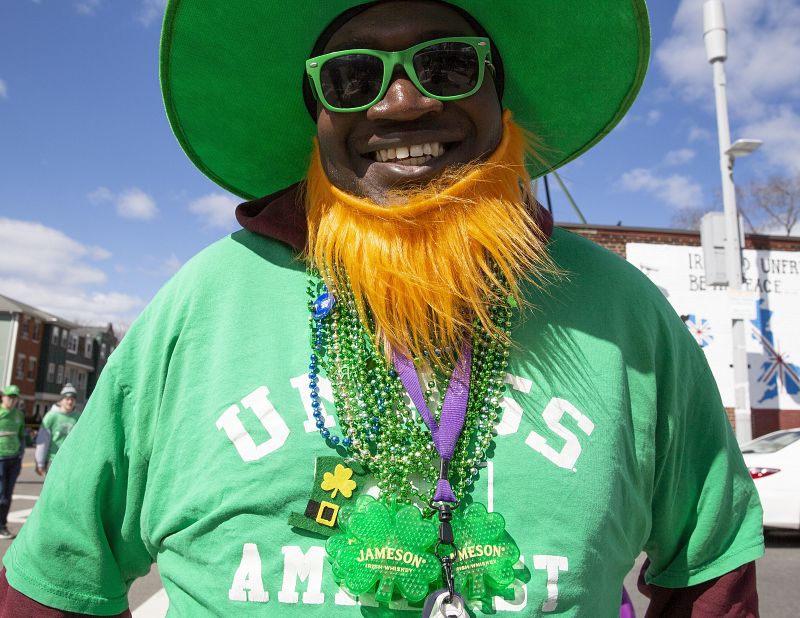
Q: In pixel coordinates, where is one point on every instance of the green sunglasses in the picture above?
(446, 69)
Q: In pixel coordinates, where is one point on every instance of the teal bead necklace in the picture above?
(380, 427)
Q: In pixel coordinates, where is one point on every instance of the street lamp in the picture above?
(715, 35)
(743, 147)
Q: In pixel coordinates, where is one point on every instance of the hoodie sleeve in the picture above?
(42, 446)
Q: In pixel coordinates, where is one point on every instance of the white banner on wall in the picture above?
(770, 305)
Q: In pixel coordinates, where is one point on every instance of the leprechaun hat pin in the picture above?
(336, 482)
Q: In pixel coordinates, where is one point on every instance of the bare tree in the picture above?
(767, 206)
(689, 218)
(772, 204)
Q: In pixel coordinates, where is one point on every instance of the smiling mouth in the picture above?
(416, 154)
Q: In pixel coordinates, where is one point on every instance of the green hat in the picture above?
(231, 75)
(12, 390)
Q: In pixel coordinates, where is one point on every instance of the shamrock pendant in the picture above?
(384, 545)
(485, 553)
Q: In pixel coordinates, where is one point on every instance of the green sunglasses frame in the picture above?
(405, 59)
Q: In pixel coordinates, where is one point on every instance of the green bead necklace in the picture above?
(381, 429)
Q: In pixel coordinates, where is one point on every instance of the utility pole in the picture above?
(715, 35)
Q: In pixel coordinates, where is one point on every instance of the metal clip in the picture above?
(440, 604)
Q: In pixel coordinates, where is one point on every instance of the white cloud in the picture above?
(171, 265)
(676, 190)
(46, 268)
(216, 210)
(763, 80)
(781, 135)
(130, 204)
(136, 204)
(100, 195)
(762, 38)
(87, 7)
(679, 157)
(699, 134)
(653, 116)
(99, 253)
(150, 11)
(3, 89)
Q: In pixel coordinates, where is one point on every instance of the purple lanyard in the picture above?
(446, 432)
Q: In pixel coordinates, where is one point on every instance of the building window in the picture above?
(102, 350)
(64, 335)
(20, 366)
(51, 372)
(81, 381)
(26, 323)
(54, 338)
(37, 330)
(60, 375)
(88, 347)
(72, 348)
(31, 368)
(71, 375)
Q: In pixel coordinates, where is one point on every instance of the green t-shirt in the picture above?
(12, 431)
(59, 424)
(199, 442)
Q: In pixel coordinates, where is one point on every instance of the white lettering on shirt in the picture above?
(261, 406)
(512, 414)
(569, 453)
(247, 584)
(552, 564)
(302, 566)
(300, 384)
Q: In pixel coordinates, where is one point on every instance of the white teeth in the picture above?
(417, 152)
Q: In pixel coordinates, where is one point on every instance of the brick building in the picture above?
(40, 352)
(21, 342)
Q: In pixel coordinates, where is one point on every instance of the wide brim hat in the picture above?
(231, 76)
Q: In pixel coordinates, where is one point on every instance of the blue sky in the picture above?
(99, 206)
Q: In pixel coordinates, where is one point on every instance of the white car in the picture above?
(774, 464)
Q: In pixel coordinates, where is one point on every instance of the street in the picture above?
(778, 571)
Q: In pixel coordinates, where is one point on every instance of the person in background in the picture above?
(12, 448)
(56, 425)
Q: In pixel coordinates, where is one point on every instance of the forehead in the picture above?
(397, 25)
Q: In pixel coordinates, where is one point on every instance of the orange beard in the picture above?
(425, 266)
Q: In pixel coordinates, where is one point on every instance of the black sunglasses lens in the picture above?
(447, 69)
(352, 80)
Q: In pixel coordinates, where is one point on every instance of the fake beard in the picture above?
(431, 262)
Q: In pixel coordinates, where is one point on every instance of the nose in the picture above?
(403, 102)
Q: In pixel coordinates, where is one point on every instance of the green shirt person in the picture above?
(56, 426)
(12, 447)
(254, 433)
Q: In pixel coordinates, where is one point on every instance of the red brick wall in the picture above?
(30, 348)
(615, 238)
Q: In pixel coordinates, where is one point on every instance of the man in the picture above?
(56, 426)
(12, 448)
(431, 275)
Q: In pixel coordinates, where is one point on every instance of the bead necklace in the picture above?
(381, 428)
